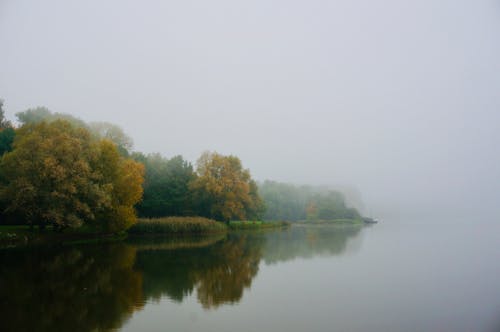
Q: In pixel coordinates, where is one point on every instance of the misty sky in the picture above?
(399, 99)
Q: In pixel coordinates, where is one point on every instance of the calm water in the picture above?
(394, 276)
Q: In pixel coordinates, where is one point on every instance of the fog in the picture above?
(397, 99)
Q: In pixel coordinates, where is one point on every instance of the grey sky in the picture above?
(400, 99)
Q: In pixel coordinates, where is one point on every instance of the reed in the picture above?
(177, 225)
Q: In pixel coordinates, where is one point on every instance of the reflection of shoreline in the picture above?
(169, 243)
(88, 288)
(98, 287)
(307, 241)
(219, 273)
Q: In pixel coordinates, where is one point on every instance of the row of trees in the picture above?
(219, 188)
(58, 170)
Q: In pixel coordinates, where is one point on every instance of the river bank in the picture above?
(13, 236)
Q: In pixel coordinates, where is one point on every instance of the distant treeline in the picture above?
(170, 189)
(58, 170)
(299, 203)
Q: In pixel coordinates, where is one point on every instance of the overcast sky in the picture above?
(399, 99)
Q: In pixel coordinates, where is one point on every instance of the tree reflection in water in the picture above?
(219, 272)
(303, 241)
(98, 287)
(68, 289)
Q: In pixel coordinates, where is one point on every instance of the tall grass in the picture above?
(235, 225)
(177, 225)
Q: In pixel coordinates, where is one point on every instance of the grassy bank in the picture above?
(18, 236)
(237, 225)
(177, 225)
(356, 221)
(195, 225)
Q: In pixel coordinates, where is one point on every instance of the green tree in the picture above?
(255, 207)
(284, 201)
(7, 132)
(166, 186)
(222, 188)
(331, 205)
(4, 123)
(6, 139)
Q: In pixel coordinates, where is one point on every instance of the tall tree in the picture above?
(123, 179)
(255, 207)
(48, 176)
(7, 132)
(284, 201)
(114, 133)
(43, 114)
(222, 188)
(59, 174)
(101, 130)
(6, 139)
(330, 205)
(166, 186)
(4, 123)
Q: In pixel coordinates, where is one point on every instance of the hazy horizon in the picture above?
(398, 99)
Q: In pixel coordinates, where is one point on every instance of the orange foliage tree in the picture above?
(223, 189)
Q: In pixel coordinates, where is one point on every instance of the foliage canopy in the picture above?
(223, 189)
(58, 174)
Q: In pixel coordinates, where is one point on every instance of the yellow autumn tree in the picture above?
(58, 174)
(122, 178)
(223, 189)
(48, 178)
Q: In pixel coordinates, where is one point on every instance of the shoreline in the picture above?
(21, 236)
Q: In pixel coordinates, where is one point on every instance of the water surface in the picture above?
(389, 277)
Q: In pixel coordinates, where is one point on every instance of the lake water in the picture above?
(393, 276)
